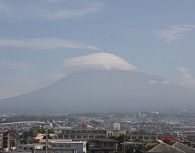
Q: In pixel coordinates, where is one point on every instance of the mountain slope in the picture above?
(103, 90)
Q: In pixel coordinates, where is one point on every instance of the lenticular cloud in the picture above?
(97, 61)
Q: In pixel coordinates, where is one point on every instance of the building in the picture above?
(74, 146)
(79, 134)
(116, 131)
(84, 133)
(25, 148)
(6, 141)
(142, 137)
(64, 146)
(102, 146)
(1, 141)
(9, 140)
(165, 148)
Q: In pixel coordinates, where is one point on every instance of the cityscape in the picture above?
(98, 132)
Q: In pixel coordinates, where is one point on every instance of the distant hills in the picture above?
(101, 90)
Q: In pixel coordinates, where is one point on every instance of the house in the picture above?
(183, 147)
(169, 139)
(41, 137)
(166, 148)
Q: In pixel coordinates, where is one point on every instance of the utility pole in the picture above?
(124, 144)
(46, 140)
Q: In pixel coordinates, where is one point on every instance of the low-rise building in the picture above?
(1, 141)
(79, 134)
(75, 146)
(102, 145)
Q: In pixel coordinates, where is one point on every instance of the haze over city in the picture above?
(44, 41)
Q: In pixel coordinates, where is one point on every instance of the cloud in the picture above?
(187, 77)
(174, 32)
(8, 93)
(53, 1)
(44, 44)
(97, 61)
(16, 78)
(19, 67)
(4, 9)
(48, 9)
(153, 82)
(73, 13)
(16, 84)
(164, 82)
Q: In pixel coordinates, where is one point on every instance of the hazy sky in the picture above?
(38, 37)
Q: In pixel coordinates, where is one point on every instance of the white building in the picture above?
(74, 146)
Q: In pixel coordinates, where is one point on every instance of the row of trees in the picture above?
(29, 135)
(122, 148)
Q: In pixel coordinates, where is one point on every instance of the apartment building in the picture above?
(67, 133)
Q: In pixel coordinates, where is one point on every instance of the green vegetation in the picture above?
(28, 136)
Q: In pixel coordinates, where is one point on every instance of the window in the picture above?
(133, 137)
(91, 136)
(146, 137)
(25, 148)
(67, 145)
(78, 136)
(72, 136)
(153, 137)
(53, 145)
(61, 145)
(67, 131)
(140, 137)
(109, 134)
(66, 136)
(30, 148)
(85, 137)
(60, 136)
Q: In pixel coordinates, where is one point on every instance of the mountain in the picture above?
(105, 88)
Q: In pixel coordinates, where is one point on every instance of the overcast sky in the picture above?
(38, 37)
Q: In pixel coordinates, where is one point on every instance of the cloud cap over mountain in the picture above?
(97, 61)
(102, 82)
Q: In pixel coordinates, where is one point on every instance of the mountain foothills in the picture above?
(103, 82)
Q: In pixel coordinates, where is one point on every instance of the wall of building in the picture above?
(79, 147)
(1, 141)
